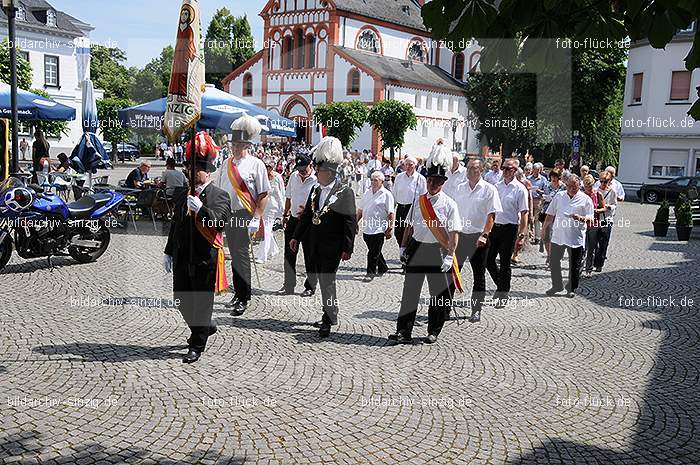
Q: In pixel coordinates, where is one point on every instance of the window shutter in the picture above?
(637, 93)
(680, 85)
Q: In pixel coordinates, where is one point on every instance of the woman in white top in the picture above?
(274, 209)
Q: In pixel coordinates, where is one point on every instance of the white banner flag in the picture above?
(184, 101)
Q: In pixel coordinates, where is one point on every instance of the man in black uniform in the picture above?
(200, 272)
(328, 224)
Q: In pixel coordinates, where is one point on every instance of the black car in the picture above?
(124, 151)
(653, 193)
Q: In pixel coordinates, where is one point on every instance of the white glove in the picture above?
(446, 264)
(168, 263)
(194, 203)
(253, 226)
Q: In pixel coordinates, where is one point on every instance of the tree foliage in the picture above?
(392, 119)
(145, 85)
(108, 72)
(161, 68)
(512, 23)
(228, 44)
(24, 69)
(342, 119)
(112, 129)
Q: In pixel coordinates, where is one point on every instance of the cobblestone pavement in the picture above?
(609, 377)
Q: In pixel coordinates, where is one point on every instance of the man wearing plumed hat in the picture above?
(195, 256)
(244, 177)
(328, 224)
(428, 250)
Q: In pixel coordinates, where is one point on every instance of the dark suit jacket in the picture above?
(215, 212)
(336, 233)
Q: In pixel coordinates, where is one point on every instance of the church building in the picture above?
(322, 51)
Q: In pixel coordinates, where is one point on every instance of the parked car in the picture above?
(669, 190)
(124, 151)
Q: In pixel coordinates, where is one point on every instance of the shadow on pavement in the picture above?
(110, 353)
(17, 447)
(303, 332)
(38, 264)
(666, 430)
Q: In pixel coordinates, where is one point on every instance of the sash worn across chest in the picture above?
(244, 195)
(440, 232)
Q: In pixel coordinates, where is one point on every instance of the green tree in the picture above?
(51, 128)
(145, 85)
(161, 67)
(108, 72)
(112, 129)
(342, 119)
(512, 23)
(228, 44)
(24, 69)
(392, 119)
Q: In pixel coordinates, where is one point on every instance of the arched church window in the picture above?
(368, 40)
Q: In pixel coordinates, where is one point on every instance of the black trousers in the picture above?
(466, 248)
(502, 238)
(290, 260)
(425, 263)
(597, 241)
(238, 245)
(575, 261)
(400, 227)
(376, 264)
(326, 267)
(194, 297)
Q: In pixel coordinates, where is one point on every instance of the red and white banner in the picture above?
(184, 101)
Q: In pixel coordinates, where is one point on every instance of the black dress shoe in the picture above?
(431, 339)
(394, 337)
(598, 269)
(500, 302)
(476, 317)
(191, 357)
(239, 309)
(308, 293)
(317, 324)
(284, 291)
(234, 301)
(368, 278)
(324, 330)
(552, 291)
(570, 294)
(400, 338)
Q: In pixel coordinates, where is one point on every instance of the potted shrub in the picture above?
(684, 219)
(661, 221)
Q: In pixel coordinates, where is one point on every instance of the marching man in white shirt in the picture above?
(478, 204)
(244, 177)
(456, 176)
(509, 230)
(428, 249)
(299, 186)
(408, 186)
(376, 218)
(569, 213)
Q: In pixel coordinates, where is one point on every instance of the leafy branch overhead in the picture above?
(342, 119)
(511, 23)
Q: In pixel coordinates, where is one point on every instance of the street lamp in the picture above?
(11, 12)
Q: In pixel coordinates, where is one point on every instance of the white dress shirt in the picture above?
(476, 204)
(454, 179)
(254, 174)
(376, 207)
(325, 191)
(616, 186)
(493, 177)
(298, 191)
(275, 201)
(406, 188)
(565, 230)
(513, 198)
(446, 211)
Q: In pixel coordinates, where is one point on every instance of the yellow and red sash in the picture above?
(435, 225)
(216, 239)
(244, 195)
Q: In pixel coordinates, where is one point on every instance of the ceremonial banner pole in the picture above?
(184, 100)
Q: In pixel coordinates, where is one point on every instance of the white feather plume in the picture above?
(439, 156)
(248, 125)
(328, 150)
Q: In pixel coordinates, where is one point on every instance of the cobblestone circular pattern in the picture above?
(611, 376)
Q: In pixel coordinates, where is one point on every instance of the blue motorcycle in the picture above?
(40, 224)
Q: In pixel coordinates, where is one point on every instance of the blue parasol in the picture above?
(31, 106)
(219, 110)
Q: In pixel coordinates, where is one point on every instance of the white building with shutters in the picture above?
(659, 141)
(45, 37)
(321, 51)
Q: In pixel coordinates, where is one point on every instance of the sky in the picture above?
(143, 27)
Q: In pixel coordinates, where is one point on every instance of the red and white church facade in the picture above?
(322, 51)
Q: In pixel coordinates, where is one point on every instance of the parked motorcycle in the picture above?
(40, 224)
